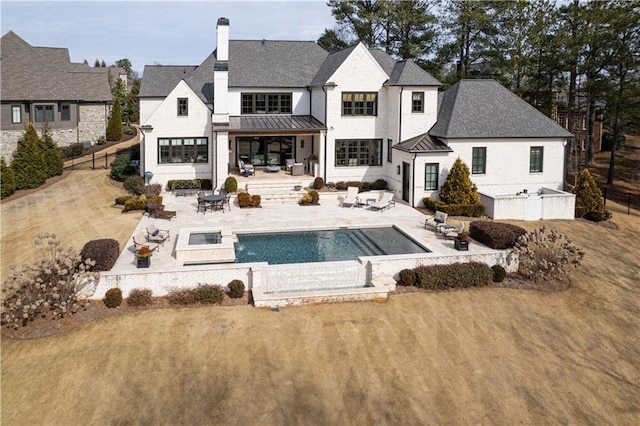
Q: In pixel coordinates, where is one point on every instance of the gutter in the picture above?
(325, 136)
(413, 180)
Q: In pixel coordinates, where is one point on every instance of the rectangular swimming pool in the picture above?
(323, 246)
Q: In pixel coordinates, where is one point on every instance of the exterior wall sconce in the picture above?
(301, 143)
(398, 169)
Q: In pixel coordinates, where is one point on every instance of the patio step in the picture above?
(277, 192)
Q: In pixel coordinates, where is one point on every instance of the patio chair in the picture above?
(453, 232)
(202, 203)
(156, 235)
(289, 164)
(245, 169)
(385, 202)
(352, 196)
(434, 221)
(139, 241)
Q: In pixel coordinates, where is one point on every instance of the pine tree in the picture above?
(28, 162)
(52, 154)
(114, 127)
(96, 64)
(458, 188)
(7, 179)
(589, 200)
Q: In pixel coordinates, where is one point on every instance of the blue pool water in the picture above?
(323, 246)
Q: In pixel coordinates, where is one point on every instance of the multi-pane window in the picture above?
(535, 159)
(479, 160)
(65, 112)
(266, 103)
(44, 113)
(417, 102)
(365, 152)
(16, 114)
(183, 107)
(389, 151)
(431, 172)
(359, 103)
(182, 150)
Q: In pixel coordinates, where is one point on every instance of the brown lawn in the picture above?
(485, 356)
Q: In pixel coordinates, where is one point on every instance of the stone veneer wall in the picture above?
(92, 125)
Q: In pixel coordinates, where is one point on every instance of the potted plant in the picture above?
(143, 257)
(461, 242)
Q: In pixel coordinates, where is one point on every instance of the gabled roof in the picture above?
(330, 64)
(46, 74)
(268, 63)
(159, 80)
(423, 143)
(407, 73)
(486, 109)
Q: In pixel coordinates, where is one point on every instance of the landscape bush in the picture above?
(113, 298)
(52, 155)
(499, 274)
(247, 200)
(29, 164)
(121, 167)
(306, 199)
(55, 285)
(204, 184)
(114, 125)
(545, 254)
(103, 252)
(495, 235)
(135, 203)
(315, 197)
(73, 150)
(379, 184)
(231, 184)
(122, 200)
(236, 289)
(134, 184)
(7, 179)
(468, 210)
(589, 200)
(407, 277)
(140, 297)
(318, 183)
(202, 294)
(456, 275)
(458, 188)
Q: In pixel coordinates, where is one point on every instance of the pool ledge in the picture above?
(222, 252)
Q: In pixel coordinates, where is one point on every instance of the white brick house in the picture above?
(353, 114)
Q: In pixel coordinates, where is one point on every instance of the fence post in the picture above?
(93, 161)
(605, 195)
(629, 204)
(106, 156)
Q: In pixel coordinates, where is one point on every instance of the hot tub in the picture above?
(197, 246)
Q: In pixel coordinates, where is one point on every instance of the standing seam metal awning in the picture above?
(273, 123)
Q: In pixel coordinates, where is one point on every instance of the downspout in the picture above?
(325, 136)
(143, 165)
(77, 121)
(214, 150)
(413, 180)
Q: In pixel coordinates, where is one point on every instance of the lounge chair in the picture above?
(352, 196)
(434, 221)
(156, 235)
(453, 232)
(289, 164)
(245, 169)
(139, 241)
(385, 202)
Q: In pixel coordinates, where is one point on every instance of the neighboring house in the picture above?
(41, 84)
(353, 114)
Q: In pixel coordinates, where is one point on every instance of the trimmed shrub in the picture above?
(103, 252)
(7, 179)
(73, 150)
(52, 154)
(121, 167)
(203, 294)
(181, 296)
(306, 199)
(379, 184)
(113, 298)
(499, 274)
(315, 197)
(231, 184)
(135, 203)
(134, 184)
(318, 183)
(468, 210)
(255, 201)
(28, 164)
(140, 297)
(114, 126)
(407, 277)
(543, 254)
(589, 200)
(456, 275)
(244, 199)
(122, 200)
(495, 235)
(236, 289)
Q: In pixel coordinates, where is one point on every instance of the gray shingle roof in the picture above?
(407, 73)
(386, 62)
(280, 123)
(266, 63)
(330, 64)
(423, 143)
(160, 80)
(31, 73)
(485, 109)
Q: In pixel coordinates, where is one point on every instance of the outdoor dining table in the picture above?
(216, 201)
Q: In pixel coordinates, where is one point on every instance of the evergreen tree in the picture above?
(28, 162)
(330, 40)
(103, 64)
(125, 64)
(114, 127)
(85, 62)
(589, 200)
(7, 179)
(52, 154)
(96, 64)
(458, 188)
(133, 103)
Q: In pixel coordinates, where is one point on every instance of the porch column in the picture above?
(322, 158)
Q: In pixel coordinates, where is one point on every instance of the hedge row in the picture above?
(495, 235)
(469, 210)
(204, 184)
(442, 277)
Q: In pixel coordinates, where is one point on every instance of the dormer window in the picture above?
(183, 107)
